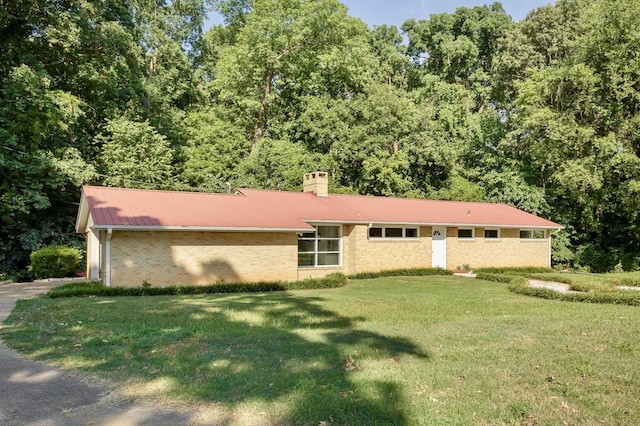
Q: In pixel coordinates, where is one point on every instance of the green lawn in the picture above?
(426, 350)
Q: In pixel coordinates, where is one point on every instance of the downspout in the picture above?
(107, 258)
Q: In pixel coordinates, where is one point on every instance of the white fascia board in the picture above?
(83, 215)
(452, 224)
(198, 228)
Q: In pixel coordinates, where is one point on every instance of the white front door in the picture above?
(439, 247)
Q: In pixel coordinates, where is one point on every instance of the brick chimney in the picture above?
(317, 182)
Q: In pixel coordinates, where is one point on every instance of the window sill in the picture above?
(393, 239)
(320, 267)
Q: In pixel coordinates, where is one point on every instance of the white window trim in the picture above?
(473, 234)
(493, 239)
(404, 233)
(532, 238)
(316, 252)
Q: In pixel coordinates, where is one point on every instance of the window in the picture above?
(465, 233)
(393, 232)
(532, 234)
(411, 232)
(491, 234)
(375, 232)
(321, 247)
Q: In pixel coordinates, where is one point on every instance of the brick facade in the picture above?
(508, 250)
(197, 257)
(174, 257)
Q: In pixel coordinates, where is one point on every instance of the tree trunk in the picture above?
(261, 122)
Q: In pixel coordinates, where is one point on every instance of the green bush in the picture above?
(54, 261)
(519, 284)
(334, 280)
(614, 297)
(501, 278)
(526, 270)
(413, 272)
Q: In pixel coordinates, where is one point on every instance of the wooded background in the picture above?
(543, 114)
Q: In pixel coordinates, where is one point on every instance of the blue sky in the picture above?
(395, 12)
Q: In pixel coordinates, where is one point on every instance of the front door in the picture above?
(439, 247)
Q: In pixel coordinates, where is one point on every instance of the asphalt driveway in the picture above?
(36, 394)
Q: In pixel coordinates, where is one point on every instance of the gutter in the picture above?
(107, 261)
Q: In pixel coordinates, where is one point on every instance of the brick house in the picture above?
(170, 237)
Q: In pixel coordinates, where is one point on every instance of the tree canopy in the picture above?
(542, 114)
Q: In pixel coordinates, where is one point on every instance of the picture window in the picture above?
(323, 247)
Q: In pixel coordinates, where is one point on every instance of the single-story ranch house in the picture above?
(169, 237)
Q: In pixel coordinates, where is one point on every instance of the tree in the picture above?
(135, 155)
(214, 150)
(39, 166)
(460, 47)
(572, 134)
(284, 51)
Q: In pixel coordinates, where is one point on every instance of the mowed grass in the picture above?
(415, 351)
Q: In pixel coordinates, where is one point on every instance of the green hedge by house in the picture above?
(501, 278)
(334, 280)
(55, 261)
(526, 270)
(412, 272)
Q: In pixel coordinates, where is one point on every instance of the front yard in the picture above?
(424, 350)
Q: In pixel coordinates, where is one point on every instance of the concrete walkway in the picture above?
(35, 394)
(566, 288)
(559, 287)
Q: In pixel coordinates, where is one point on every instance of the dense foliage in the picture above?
(542, 114)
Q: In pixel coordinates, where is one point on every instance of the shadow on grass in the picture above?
(232, 350)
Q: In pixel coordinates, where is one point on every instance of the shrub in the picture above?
(501, 278)
(597, 291)
(97, 289)
(412, 272)
(526, 270)
(54, 261)
(614, 297)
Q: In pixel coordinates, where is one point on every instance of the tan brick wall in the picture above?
(509, 250)
(168, 258)
(360, 254)
(372, 255)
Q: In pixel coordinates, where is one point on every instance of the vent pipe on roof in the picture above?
(316, 182)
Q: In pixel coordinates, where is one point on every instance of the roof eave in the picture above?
(199, 228)
(83, 215)
(456, 224)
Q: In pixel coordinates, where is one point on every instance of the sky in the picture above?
(395, 12)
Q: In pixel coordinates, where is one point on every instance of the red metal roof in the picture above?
(280, 210)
